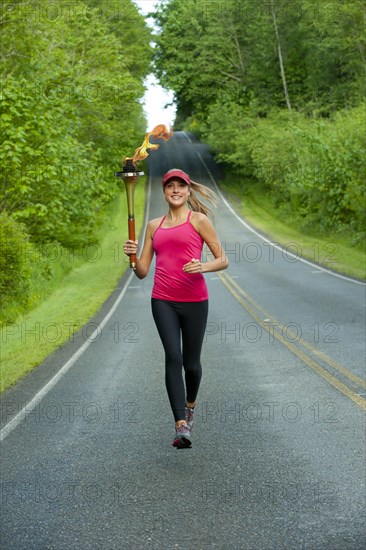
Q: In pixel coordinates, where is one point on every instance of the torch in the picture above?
(130, 175)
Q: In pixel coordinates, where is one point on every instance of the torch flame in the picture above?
(159, 132)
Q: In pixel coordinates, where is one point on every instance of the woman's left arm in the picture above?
(208, 233)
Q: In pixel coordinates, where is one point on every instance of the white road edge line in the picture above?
(264, 239)
(13, 423)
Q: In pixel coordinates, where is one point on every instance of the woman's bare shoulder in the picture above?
(199, 219)
(155, 221)
(153, 224)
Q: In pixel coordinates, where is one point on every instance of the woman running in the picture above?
(179, 297)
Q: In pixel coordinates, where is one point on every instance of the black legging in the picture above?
(173, 320)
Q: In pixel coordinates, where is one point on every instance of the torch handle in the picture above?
(132, 237)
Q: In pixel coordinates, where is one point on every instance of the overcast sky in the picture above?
(155, 97)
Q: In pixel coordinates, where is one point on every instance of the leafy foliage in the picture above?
(49, 179)
(70, 111)
(13, 269)
(314, 168)
(227, 50)
(276, 88)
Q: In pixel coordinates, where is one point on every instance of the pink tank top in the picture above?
(174, 247)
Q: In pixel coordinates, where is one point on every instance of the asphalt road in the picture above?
(278, 456)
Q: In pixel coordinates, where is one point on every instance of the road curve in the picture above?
(279, 443)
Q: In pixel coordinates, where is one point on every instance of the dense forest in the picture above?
(71, 84)
(277, 89)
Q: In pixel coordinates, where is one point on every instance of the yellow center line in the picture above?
(343, 370)
(232, 286)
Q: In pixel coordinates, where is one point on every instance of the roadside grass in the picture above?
(332, 251)
(75, 298)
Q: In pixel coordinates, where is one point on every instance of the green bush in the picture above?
(313, 169)
(329, 176)
(14, 265)
(228, 132)
(54, 186)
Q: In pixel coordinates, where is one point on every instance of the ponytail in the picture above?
(196, 204)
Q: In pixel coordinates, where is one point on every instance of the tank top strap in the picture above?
(189, 215)
(161, 222)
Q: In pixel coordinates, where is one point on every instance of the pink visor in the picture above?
(175, 173)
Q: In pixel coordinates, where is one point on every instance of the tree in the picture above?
(71, 89)
(263, 83)
(280, 58)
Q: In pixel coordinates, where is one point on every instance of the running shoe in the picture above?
(182, 438)
(190, 418)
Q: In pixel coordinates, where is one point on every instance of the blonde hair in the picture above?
(196, 204)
